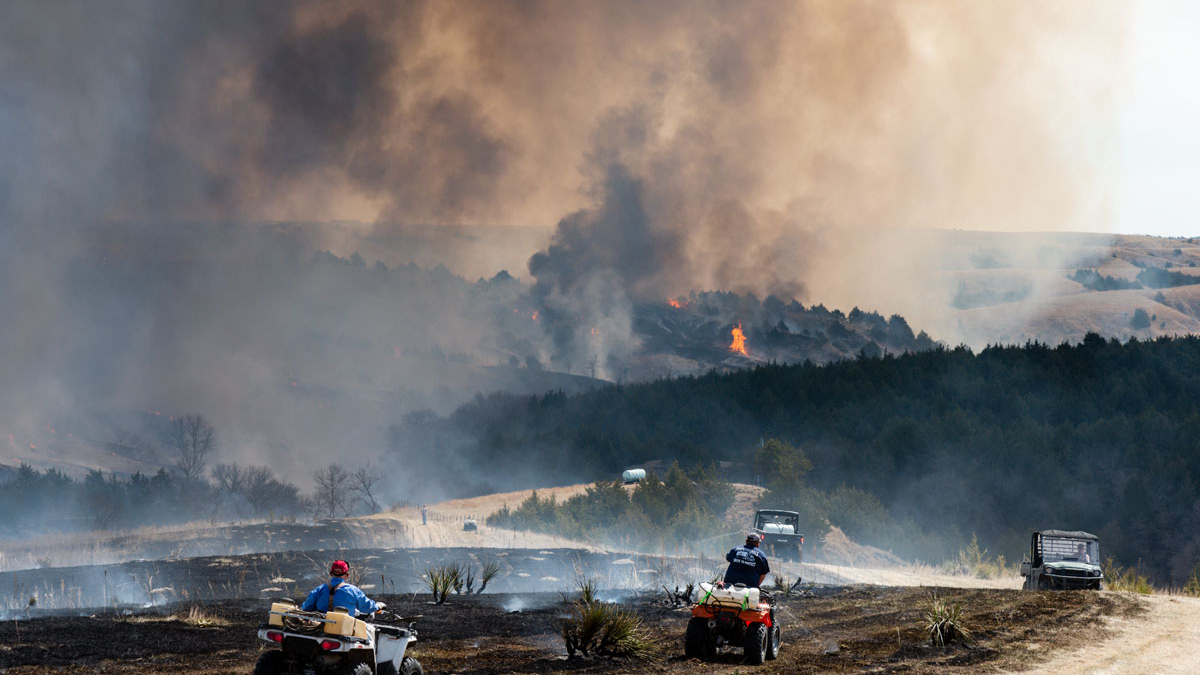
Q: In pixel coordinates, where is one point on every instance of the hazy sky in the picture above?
(1157, 185)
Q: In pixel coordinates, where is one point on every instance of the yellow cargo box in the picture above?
(341, 623)
(277, 611)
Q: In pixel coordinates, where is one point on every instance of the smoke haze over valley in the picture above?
(194, 197)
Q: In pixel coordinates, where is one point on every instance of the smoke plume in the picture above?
(635, 150)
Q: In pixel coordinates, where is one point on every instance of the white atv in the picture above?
(333, 642)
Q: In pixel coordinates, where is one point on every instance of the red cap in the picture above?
(339, 567)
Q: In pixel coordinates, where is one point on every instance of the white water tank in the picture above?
(633, 475)
(778, 528)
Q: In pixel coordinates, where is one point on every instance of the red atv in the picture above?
(733, 615)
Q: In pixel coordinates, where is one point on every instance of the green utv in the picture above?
(1062, 560)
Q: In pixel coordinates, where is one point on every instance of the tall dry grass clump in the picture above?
(1192, 587)
(1117, 578)
(975, 562)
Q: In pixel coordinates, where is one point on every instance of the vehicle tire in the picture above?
(410, 666)
(355, 669)
(756, 643)
(271, 663)
(799, 554)
(1043, 584)
(696, 642)
(776, 643)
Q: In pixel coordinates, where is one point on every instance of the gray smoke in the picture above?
(167, 171)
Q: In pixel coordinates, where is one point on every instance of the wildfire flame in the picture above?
(676, 303)
(535, 316)
(739, 340)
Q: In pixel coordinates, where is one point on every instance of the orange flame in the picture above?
(739, 340)
(535, 316)
(676, 303)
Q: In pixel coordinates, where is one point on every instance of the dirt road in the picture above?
(1162, 640)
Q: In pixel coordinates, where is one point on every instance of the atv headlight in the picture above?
(1048, 570)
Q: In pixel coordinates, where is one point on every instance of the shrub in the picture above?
(1140, 319)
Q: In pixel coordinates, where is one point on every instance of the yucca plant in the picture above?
(604, 629)
(944, 623)
(441, 579)
(491, 568)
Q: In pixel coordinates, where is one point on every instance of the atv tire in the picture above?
(696, 642)
(355, 669)
(756, 643)
(776, 642)
(271, 663)
(410, 666)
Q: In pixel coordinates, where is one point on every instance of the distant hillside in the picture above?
(1006, 288)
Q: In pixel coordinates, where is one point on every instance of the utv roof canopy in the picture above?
(1076, 534)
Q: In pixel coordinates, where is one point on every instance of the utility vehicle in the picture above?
(734, 616)
(780, 532)
(1062, 560)
(334, 642)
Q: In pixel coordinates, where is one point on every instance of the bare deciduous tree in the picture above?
(194, 439)
(230, 478)
(364, 481)
(331, 496)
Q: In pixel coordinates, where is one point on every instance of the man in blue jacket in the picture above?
(342, 592)
(747, 564)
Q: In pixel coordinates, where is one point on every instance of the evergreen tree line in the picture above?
(916, 452)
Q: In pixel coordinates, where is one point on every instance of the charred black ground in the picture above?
(849, 629)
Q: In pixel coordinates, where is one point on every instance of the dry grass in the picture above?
(975, 562)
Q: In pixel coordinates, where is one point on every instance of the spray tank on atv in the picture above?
(335, 642)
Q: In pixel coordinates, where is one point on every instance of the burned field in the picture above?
(848, 629)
